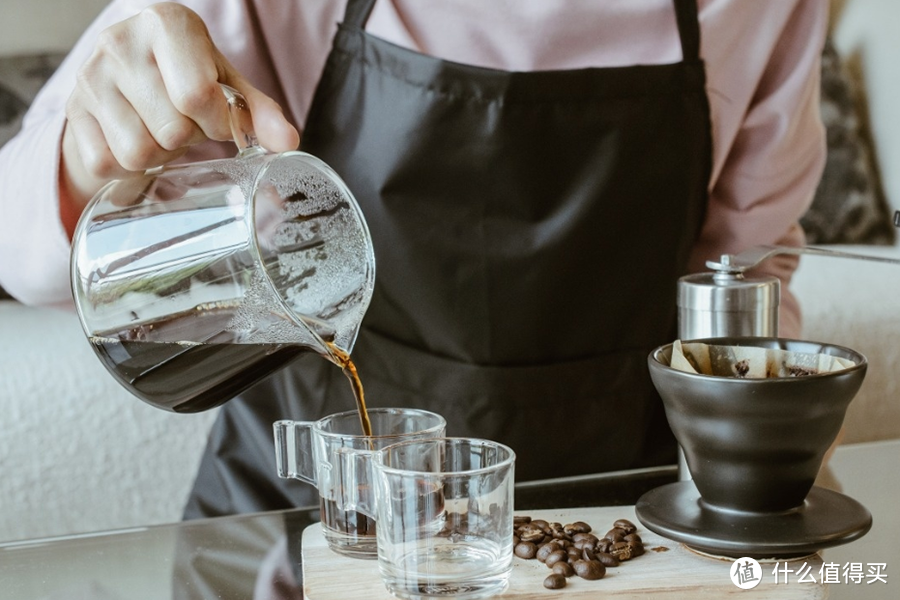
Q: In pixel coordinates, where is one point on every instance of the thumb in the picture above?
(273, 131)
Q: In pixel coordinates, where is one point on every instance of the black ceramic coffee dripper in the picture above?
(754, 448)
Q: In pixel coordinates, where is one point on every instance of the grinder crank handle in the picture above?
(736, 264)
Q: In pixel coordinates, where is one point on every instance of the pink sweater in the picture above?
(762, 60)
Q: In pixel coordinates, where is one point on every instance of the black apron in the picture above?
(529, 230)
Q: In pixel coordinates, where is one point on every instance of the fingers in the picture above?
(193, 87)
(120, 115)
(113, 138)
(149, 92)
(189, 69)
(170, 128)
(88, 162)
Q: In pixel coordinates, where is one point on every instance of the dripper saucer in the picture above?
(825, 519)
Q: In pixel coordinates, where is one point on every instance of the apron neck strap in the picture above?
(688, 29)
(358, 12)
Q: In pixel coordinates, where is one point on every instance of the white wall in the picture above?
(28, 26)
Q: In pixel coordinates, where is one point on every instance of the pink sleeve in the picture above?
(770, 159)
(34, 247)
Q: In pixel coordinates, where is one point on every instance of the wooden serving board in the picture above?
(676, 572)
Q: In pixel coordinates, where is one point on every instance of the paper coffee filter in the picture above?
(751, 362)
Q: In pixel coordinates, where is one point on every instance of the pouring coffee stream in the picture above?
(342, 359)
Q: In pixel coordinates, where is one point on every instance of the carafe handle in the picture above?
(294, 452)
(241, 122)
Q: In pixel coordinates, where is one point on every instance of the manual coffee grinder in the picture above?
(725, 303)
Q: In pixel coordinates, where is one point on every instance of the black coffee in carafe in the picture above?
(188, 377)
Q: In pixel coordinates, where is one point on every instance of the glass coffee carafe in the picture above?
(194, 281)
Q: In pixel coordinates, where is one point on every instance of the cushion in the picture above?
(850, 206)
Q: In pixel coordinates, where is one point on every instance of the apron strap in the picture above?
(688, 29)
(358, 12)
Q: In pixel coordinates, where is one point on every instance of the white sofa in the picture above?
(78, 453)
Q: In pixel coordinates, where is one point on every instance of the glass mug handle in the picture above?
(294, 453)
(358, 477)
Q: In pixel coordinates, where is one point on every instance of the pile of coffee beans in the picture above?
(572, 549)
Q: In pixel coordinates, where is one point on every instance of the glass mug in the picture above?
(195, 281)
(334, 455)
(444, 509)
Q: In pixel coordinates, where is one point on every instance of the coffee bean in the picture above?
(556, 556)
(572, 549)
(541, 524)
(564, 569)
(546, 550)
(525, 550)
(585, 536)
(589, 569)
(531, 535)
(577, 527)
(555, 581)
(583, 544)
(626, 525)
(621, 550)
(608, 560)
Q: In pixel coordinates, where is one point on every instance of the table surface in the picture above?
(241, 557)
(667, 570)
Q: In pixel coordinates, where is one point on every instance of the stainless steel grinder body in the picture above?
(727, 305)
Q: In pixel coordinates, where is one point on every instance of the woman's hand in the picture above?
(148, 92)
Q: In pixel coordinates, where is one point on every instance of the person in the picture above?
(536, 175)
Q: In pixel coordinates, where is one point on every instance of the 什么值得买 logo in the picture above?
(746, 573)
